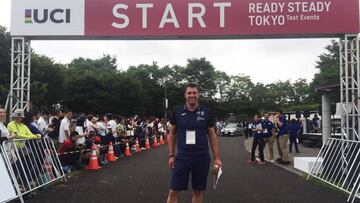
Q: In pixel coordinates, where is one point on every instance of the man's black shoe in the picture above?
(284, 162)
(279, 159)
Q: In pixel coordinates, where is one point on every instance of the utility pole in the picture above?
(165, 100)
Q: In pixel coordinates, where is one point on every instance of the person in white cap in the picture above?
(18, 128)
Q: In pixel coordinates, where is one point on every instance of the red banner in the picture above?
(220, 18)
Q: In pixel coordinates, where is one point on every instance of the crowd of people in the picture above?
(272, 129)
(75, 136)
(70, 134)
(81, 133)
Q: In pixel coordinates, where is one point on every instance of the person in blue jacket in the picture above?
(294, 129)
(31, 122)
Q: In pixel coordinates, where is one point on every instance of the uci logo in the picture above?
(56, 16)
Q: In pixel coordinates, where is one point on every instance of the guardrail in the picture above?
(31, 164)
(338, 164)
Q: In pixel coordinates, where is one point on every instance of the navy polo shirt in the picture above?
(284, 128)
(258, 134)
(199, 121)
(269, 126)
(294, 129)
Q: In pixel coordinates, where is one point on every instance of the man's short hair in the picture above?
(35, 112)
(56, 112)
(74, 133)
(92, 134)
(46, 112)
(65, 110)
(90, 116)
(191, 85)
(109, 116)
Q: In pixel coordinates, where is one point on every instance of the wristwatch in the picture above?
(171, 155)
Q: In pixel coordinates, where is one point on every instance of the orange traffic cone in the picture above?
(93, 162)
(155, 143)
(161, 140)
(137, 146)
(110, 155)
(147, 143)
(127, 150)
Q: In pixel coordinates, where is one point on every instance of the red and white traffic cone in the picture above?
(137, 146)
(127, 150)
(93, 162)
(110, 155)
(161, 140)
(155, 143)
(147, 143)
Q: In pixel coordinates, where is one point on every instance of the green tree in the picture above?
(202, 72)
(239, 88)
(301, 91)
(238, 95)
(47, 81)
(5, 63)
(222, 81)
(150, 78)
(329, 72)
(261, 97)
(282, 93)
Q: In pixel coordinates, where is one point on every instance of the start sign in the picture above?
(151, 19)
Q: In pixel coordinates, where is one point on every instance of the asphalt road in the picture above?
(144, 177)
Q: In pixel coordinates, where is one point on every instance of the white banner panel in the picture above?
(7, 189)
(47, 17)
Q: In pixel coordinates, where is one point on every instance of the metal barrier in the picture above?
(338, 164)
(32, 164)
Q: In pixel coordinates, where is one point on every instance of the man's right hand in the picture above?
(171, 162)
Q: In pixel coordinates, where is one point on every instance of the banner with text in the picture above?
(184, 19)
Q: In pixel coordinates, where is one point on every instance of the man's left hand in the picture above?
(218, 162)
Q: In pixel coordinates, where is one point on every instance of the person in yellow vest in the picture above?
(18, 128)
(21, 131)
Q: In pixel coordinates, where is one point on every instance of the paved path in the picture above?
(145, 178)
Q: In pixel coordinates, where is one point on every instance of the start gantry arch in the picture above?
(201, 19)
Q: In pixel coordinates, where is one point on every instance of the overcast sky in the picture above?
(265, 61)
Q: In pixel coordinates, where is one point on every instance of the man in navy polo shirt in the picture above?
(283, 136)
(258, 140)
(269, 135)
(191, 128)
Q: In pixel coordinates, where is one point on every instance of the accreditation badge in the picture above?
(190, 137)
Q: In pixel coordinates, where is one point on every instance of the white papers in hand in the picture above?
(216, 178)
